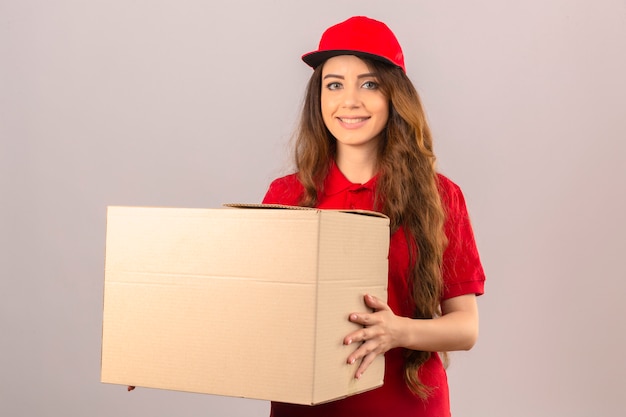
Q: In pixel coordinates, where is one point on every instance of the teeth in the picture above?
(349, 121)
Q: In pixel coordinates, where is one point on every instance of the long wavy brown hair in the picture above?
(407, 189)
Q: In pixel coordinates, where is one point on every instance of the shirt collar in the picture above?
(336, 182)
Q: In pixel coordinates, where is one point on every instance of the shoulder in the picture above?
(445, 182)
(451, 194)
(462, 268)
(284, 190)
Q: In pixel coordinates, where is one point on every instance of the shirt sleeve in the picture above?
(462, 270)
(286, 190)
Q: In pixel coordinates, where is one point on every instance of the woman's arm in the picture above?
(456, 329)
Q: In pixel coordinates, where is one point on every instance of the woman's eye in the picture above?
(333, 86)
(370, 85)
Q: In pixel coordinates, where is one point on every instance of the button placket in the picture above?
(355, 195)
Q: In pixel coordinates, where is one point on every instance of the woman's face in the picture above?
(354, 108)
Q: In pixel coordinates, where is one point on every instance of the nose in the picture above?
(351, 98)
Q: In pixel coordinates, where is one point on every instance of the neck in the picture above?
(357, 167)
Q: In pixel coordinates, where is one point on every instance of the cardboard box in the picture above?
(245, 302)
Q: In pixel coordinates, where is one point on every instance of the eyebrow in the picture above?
(367, 75)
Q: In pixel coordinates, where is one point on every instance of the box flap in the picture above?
(287, 207)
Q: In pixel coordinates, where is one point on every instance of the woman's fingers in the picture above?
(372, 336)
(365, 363)
(375, 303)
(366, 353)
(359, 336)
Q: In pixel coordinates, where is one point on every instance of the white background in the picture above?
(192, 104)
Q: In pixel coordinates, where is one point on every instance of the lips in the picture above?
(352, 120)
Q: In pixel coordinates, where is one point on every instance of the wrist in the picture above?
(407, 333)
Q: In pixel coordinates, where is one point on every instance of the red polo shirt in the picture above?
(462, 274)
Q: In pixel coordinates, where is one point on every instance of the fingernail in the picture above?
(349, 341)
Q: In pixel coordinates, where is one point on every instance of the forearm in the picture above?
(457, 330)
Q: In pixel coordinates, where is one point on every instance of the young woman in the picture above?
(364, 143)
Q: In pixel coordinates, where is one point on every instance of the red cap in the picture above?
(360, 36)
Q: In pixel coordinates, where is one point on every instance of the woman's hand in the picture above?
(378, 335)
(455, 329)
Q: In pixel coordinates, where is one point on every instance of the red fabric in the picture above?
(463, 274)
(362, 36)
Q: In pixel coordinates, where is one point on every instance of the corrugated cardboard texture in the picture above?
(239, 302)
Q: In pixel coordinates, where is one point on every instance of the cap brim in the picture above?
(316, 58)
